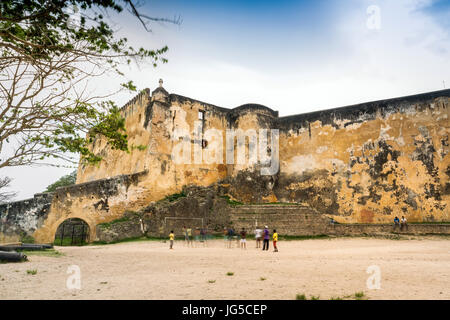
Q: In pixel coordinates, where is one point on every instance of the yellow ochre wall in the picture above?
(361, 164)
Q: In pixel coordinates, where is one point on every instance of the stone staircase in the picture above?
(288, 219)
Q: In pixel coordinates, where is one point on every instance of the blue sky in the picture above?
(292, 56)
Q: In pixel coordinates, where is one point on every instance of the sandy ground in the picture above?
(410, 269)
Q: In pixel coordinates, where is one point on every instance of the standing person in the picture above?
(403, 224)
(161, 232)
(186, 237)
(258, 236)
(171, 238)
(189, 234)
(275, 240)
(203, 236)
(230, 233)
(266, 238)
(243, 239)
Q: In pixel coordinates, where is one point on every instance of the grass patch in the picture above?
(67, 241)
(26, 239)
(311, 237)
(136, 239)
(230, 274)
(44, 253)
(336, 298)
(300, 297)
(359, 295)
(174, 197)
(211, 281)
(107, 225)
(315, 298)
(232, 202)
(32, 272)
(262, 279)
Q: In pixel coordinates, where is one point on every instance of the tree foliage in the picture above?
(5, 195)
(66, 180)
(49, 51)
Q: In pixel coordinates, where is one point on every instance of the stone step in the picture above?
(271, 206)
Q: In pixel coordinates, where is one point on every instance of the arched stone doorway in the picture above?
(72, 232)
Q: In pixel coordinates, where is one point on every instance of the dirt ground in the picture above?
(410, 269)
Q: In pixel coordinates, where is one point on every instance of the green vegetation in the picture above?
(290, 238)
(26, 239)
(232, 202)
(230, 273)
(45, 253)
(67, 241)
(106, 225)
(359, 295)
(211, 281)
(64, 181)
(262, 278)
(43, 45)
(135, 239)
(32, 272)
(175, 196)
(139, 147)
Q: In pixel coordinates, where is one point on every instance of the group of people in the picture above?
(199, 234)
(260, 234)
(230, 234)
(400, 223)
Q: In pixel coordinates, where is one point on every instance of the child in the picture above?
(171, 238)
(243, 240)
(275, 239)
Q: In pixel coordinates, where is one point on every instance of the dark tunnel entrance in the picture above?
(72, 232)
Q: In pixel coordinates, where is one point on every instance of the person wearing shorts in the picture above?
(243, 239)
(230, 234)
(258, 237)
(171, 238)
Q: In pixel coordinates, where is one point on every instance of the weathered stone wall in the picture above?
(286, 219)
(371, 162)
(359, 164)
(194, 207)
(22, 218)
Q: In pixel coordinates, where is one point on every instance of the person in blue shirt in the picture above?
(396, 223)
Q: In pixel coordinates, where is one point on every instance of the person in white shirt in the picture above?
(258, 237)
(403, 224)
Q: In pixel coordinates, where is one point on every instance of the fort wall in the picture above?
(365, 163)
